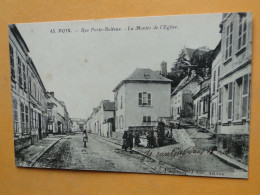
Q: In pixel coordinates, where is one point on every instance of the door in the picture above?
(40, 126)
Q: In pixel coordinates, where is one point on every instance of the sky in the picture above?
(83, 68)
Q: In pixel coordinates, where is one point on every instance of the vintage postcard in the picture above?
(160, 95)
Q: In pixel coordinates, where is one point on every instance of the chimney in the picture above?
(164, 69)
(52, 93)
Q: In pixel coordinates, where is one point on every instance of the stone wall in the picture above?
(235, 146)
(22, 143)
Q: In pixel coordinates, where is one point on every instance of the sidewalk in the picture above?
(28, 156)
(231, 161)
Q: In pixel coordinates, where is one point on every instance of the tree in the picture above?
(200, 61)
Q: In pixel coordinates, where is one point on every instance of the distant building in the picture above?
(181, 97)
(78, 124)
(101, 122)
(58, 117)
(141, 98)
(201, 108)
(235, 85)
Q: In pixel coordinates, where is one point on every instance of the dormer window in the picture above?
(147, 76)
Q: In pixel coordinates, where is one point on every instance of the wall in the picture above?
(160, 102)
(15, 180)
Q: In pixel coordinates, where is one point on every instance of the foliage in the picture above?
(200, 61)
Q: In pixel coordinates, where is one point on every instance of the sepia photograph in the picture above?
(157, 95)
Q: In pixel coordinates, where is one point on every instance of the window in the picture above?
(144, 99)
(26, 119)
(121, 121)
(24, 77)
(15, 116)
(242, 32)
(146, 118)
(218, 77)
(20, 71)
(214, 83)
(245, 96)
(219, 104)
(12, 61)
(230, 100)
(249, 92)
(31, 118)
(22, 118)
(121, 105)
(229, 39)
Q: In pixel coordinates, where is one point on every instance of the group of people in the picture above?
(128, 140)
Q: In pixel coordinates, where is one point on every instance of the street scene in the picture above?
(101, 96)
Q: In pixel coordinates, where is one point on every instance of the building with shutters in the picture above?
(215, 84)
(235, 85)
(58, 117)
(141, 98)
(201, 108)
(101, 122)
(28, 94)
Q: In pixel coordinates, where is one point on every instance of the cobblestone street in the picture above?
(69, 153)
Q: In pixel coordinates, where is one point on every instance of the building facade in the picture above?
(215, 84)
(141, 98)
(201, 109)
(58, 117)
(101, 122)
(235, 85)
(181, 97)
(29, 97)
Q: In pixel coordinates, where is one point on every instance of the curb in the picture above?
(228, 160)
(39, 156)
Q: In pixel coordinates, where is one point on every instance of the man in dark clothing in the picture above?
(125, 137)
(130, 140)
(137, 139)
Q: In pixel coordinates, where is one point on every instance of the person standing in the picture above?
(85, 138)
(137, 139)
(130, 140)
(124, 146)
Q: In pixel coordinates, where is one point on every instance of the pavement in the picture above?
(28, 156)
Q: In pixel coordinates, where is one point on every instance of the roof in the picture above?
(19, 37)
(185, 82)
(143, 75)
(204, 86)
(108, 106)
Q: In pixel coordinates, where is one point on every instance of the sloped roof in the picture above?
(108, 106)
(185, 82)
(143, 75)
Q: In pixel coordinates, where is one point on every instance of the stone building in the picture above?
(201, 102)
(141, 98)
(181, 97)
(38, 103)
(215, 83)
(58, 117)
(28, 94)
(235, 85)
(101, 122)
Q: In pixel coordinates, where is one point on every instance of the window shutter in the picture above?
(149, 99)
(140, 98)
